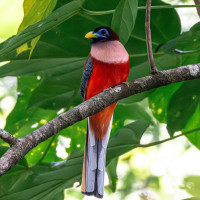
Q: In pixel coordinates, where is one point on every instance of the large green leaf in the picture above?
(124, 17)
(193, 123)
(129, 112)
(182, 105)
(58, 16)
(15, 176)
(135, 98)
(186, 41)
(34, 11)
(46, 180)
(49, 67)
(126, 139)
(159, 100)
(191, 185)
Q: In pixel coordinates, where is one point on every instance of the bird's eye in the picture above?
(103, 32)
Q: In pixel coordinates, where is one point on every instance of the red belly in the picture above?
(104, 75)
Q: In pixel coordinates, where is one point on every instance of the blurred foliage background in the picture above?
(41, 67)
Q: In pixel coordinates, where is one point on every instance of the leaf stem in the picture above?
(106, 12)
(168, 139)
(152, 63)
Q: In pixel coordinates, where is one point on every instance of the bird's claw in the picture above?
(107, 89)
(126, 83)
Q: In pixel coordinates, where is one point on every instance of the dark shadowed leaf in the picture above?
(59, 196)
(45, 181)
(135, 98)
(159, 100)
(13, 177)
(182, 105)
(187, 41)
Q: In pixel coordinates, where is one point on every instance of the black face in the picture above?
(103, 34)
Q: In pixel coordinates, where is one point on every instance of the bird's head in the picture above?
(102, 34)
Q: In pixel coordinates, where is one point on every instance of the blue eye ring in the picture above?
(103, 31)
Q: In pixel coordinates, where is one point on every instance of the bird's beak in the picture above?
(91, 34)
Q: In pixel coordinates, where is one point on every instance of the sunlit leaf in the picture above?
(191, 185)
(34, 11)
(58, 16)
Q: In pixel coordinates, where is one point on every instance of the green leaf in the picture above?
(186, 41)
(182, 105)
(192, 185)
(124, 17)
(13, 177)
(58, 16)
(126, 139)
(159, 100)
(163, 62)
(135, 98)
(59, 196)
(34, 11)
(112, 174)
(48, 67)
(129, 112)
(193, 123)
(45, 181)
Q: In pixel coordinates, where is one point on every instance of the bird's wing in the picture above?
(86, 75)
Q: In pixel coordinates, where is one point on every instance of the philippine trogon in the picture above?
(107, 65)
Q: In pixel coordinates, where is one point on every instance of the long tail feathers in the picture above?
(94, 163)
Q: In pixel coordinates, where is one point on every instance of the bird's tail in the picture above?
(95, 161)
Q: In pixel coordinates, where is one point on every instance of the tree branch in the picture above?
(93, 106)
(154, 70)
(7, 137)
(197, 2)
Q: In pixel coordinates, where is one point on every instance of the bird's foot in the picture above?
(126, 83)
(107, 89)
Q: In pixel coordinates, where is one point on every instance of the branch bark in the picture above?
(154, 70)
(7, 137)
(93, 106)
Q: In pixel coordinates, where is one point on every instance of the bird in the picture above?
(107, 65)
